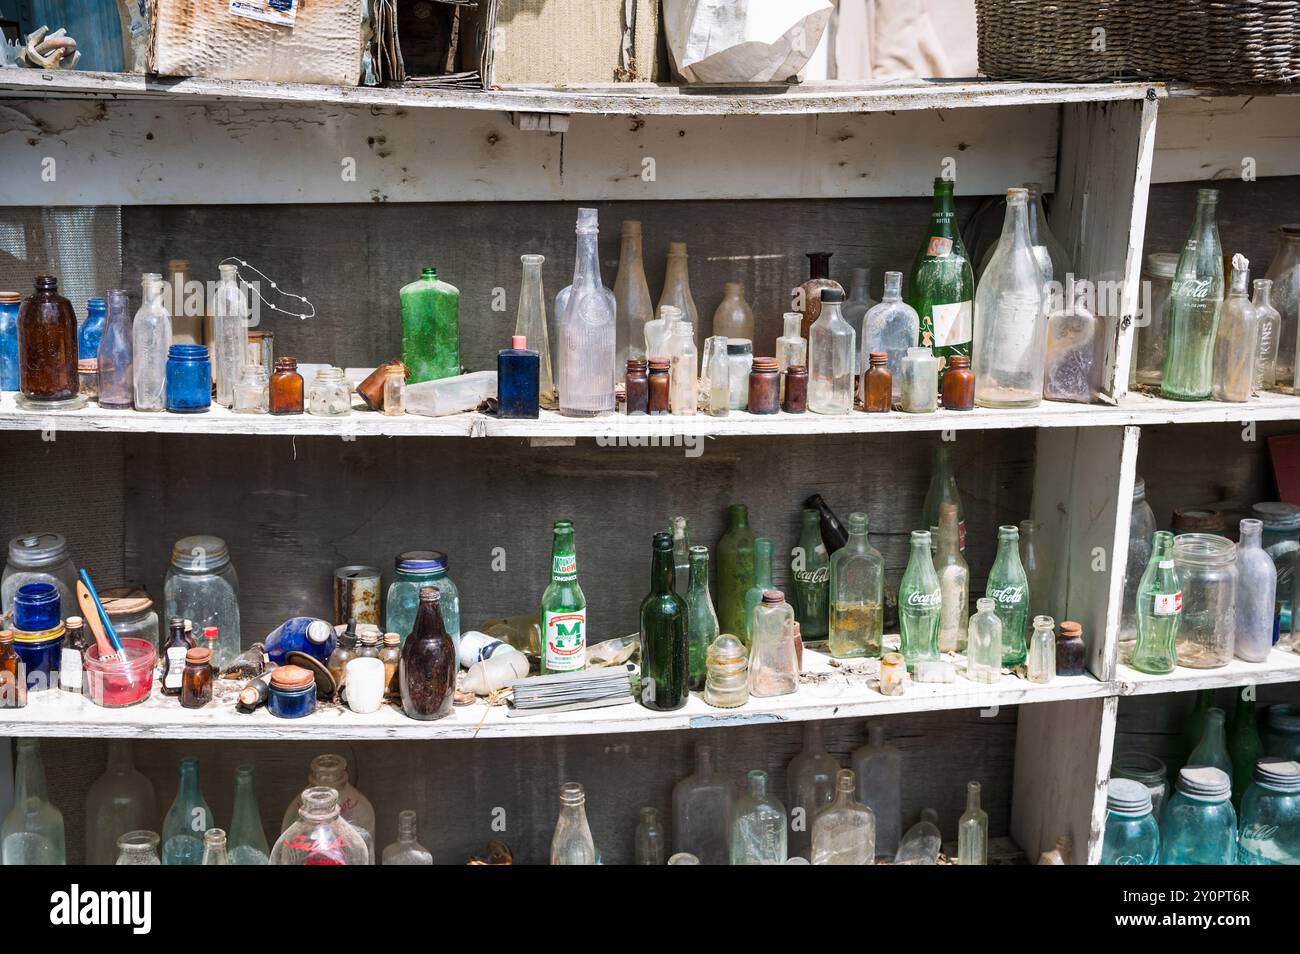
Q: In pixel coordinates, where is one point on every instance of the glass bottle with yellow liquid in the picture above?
(857, 594)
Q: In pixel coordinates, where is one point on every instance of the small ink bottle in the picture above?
(517, 370)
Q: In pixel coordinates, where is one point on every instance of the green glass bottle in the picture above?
(564, 608)
(810, 568)
(1245, 747)
(1193, 307)
(857, 595)
(920, 604)
(762, 583)
(430, 328)
(941, 285)
(701, 620)
(247, 841)
(1159, 609)
(1009, 588)
(665, 656)
(735, 572)
(1213, 747)
(1193, 728)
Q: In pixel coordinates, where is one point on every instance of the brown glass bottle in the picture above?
(13, 674)
(959, 384)
(795, 400)
(286, 387)
(659, 381)
(877, 384)
(174, 650)
(638, 385)
(47, 344)
(196, 681)
(764, 386)
(810, 292)
(427, 673)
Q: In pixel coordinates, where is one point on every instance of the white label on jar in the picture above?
(70, 669)
(175, 666)
(1169, 604)
(952, 324)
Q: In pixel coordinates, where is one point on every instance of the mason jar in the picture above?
(329, 394)
(40, 558)
(414, 569)
(1153, 336)
(1147, 769)
(1281, 541)
(202, 586)
(1207, 570)
(1270, 815)
(1282, 732)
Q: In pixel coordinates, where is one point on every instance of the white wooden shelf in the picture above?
(1281, 666)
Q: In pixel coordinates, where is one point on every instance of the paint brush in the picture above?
(91, 613)
(118, 656)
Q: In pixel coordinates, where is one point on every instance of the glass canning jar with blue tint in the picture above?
(1147, 769)
(1282, 732)
(1132, 836)
(91, 330)
(417, 568)
(1270, 815)
(1199, 825)
(189, 379)
(10, 302)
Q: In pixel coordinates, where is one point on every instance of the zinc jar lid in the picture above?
(1285, 719)
(1124, 796)
(1280, 774)
(1276, 515)
(33, 550)
(200, 553)
(421, 561)
(292, 678)
(1204, 782)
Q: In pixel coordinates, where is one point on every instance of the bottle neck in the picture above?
(188, 790)
(973, 797)
(119, 756)
(406, 826)
(758, 785)
(564, 563)
(941, 212)
(661, 570)
(677, 271)
(738, 518)
(812, 738)
(763, 564)
(831, 310)
(949, 532)
(29, 774)
(893, 286)
(586, 263)
(792, 324)
(699, 577)
(703, 760)
(1015, 227)
(629, 250)
(428, 619)
(1263, 293)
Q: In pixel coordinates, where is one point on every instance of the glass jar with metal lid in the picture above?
(131, 611)
(202, 586)
(417, 568)
(1270, 815)
(1207, 569)
(1282, 732)
(1147, 769)
(39, 558)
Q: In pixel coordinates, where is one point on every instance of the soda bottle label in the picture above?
(1168, 604)
(924, 600)
(938, 246)
(1008, 595)
(564, 566)
(952, 324)
(565, 634)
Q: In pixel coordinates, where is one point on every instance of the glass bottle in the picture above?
(201, 585)
(791, 347)
(921, 843)
(1199, 826)
(942, 489)
(715, 377)
(810, 569)
(920, 603)
(230, 331)
(1244, 744)
(1037, 569)
(10, 304)
(286, 387)
(247, 843)
(173, 657)
(395, 388)
(564, 608)
(1212, 749)
(136, 848)
(427, 673)
(1009, 587)
(587, 330)
(773, 662)
(530, 321)
(329, 394)
(1270, 815)
(320, 835)
(740, 361)
(345, 650)
(941, 285)
(1207, 569)
(119, 801)
(677, 285)
(733, 317)
(252, 391)
(857, 595)
(1236, 341)
(1193, 727)
(954, 583)
(1270, 329)
(430, 327)
(918, 393)
(878, 384)
(878, 767)
(187, 819)
(808, 296)
(845, 833)
(116, 380)
(973, 830)
(413, 570)
(659, 331)
(1158, 273)
(1131, 836)
(858, 303)
(407, 850)
(649, 839)
(834, 536)
(1040, 660)
(683, 395)
(701, 620)
(32, 832)
(664, 654)
(1148, 770)
(810, 787)
(1256, 595)
(214, 848)
(702, 810)
(391, 654)
(518, 370)
(762, 583)
(831, 347)
(1284, 273)
(1141, 528)
(13, 673)
(1193, 311)
(632, 304)
(47, 348)
(735, 572)
(1074, 349)
(681, 555)
(571, 844)
(91, 330)
(984, 643)
(331, 772)
(758, 825)
(892, 327)
(151, 336)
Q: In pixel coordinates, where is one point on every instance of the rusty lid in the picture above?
(1070, 629)
(392, 639)
(292, 677)
(197, 657)
(9, 297)
(765, 364)
(125, 600)
(6, 635)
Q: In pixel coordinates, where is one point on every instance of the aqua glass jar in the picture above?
(1147, 769)
(1207, 569)
(1199, 825)
(1281, 541)
(1270, 815)
(201, 586)
(189, 379)
(414, 569)
(1282, 732)
(1132, 836)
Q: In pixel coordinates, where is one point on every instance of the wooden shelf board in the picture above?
(1281, 666)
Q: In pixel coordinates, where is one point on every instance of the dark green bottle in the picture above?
(941, 285)
(1244, 745)
(735, 572)
(664, 650)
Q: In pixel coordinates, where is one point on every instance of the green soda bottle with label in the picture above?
(564, 608)
(941, 286)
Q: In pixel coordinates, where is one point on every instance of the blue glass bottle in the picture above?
(517, 370)
(9, 305)
(1199, 826)
(91, 330)
(187, 819)
(1132, 836)
(1270, 815)
(189, 379)
(302, 634)
(417, 568)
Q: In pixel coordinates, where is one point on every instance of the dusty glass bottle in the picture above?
(920, 603)
(733, 317)
(984, 643)
(1074, 343)
(892, 327)
(427, 672)
(677, 285)
(1193, 310)
(791, 347)
(659, 331)
(665, 663)
(214, 848)
(572, 844)
(810, 787)
(701, 620)
(856, 306)
(1040, 659)
(1199, 826)
(247, 841)
(758, 825)
(320, 834)
(648, 840)
(587, 330)
(918, 393)
(1212, 749)
(877, 384)
(762, 582)
(954, 583)
(1270, 330)
(10, 303)
(942, 489)
(151, 336)
(119, 801)
(1131, 835)
(116, 381)
(564, 608)
(331, 771)
(1284, 273)
(831, 347)
(91, 330)
(973, 830)
(683, 396)
(1009, 588)
(230, 329)
(878, 768)
(810, 569)
(773, 660)
(921, 843)
(138, 847)
(702, 810)
(715, 377)
(807, 298)
(32, 831)
(735, 571)
(1038, 570)
(407, 850)
(1236, 341)
(530, 321)
(941, 284)
(430, 327)
(857, 595)
(187, 819)
(845, 833)
(286, 388)
(632, 304)
(47, 348)
(1256, 595)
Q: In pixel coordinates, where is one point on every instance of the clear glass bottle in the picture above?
(810, 787)
(1052, 259)
(251, 391)
(1199, 826)
(1040, 661)
(530, 321)
(1212, 749)
(922, 842)
(878, 767)
(659, 331)
(831, 347)
(320, 834)
(1206, 565)
(920, 604)
(632, 304)
(715, 377)
(702, 810)
(395, 392)
(1256, 602)
(1009, 587)
(942, 490)
(1270, 815)
(1131, 835)
(1074, 349)
(984, 643)
(954, 583)
(407, 850)
(677, 284)
(1236, 341)
(32, 832)
(586, 328)
(1194, 300)
(973, 830)
(810, 571)
(116, 376)
(1010, 332)
(329, 394)
(891, 327)
(247, 840)
(1159, 605)
(791, 347)
(137, 848)
(845, 833)
(201, 585)
(773, 663)
(119, 801)
(740, 361)
(758, 825)
(1284, 273)
(682, 389)
(151, 336)
(331, 772)
(762, 583)
(649, 839)
(571, 844)
(1141, 528)
(857, 304)
(1270, 330)
(701, 620)
(733, 317)
(919, 392)
(857, 595)
(735, 571)
(187, 819)
(230, 333)
(214, 848)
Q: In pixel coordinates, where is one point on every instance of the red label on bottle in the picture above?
(938, 246)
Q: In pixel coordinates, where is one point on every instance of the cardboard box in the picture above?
(572, 42)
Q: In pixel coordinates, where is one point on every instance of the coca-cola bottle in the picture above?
(919, 603)
(1008, 587)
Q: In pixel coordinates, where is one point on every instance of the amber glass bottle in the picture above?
(13, 675)
(658, 385)
(878, 384)
(959, 384)
(427, 673)
(196, 681)
(174, 651)
(47, 344)
(286, 387)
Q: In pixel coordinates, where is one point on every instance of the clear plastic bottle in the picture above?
(973, 830)
(1199, 826)
(119, 801)
(702, 810)
(1040, 662)
(922, 842)
(407, 850)
(857, 594)
(32, 832)
(632, 304)
(571, 844)
(530, 321)
(1270, 331)
(733, 317)
(586, 331)
(1131, 836)
(773, 664)
(230, 329)
(878, 767)
(1236, 341)
(892, 327)
(810, 786)
(845, 833)
(319, 835)
(758, 825)
(1256, 602)
(151, 336)
(331, 771)
(984, 643)
(649, 839)
(831, 347)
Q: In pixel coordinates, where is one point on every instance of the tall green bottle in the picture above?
(1245, 747)
(941, 285)
(430, 328)
(810, 567)
(735, 572)
(665, 658)
(762, 582)
(564, 608)
(1193, 308)
(701, 619)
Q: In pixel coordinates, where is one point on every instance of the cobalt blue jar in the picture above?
(91, 330)
(36, 607)
(517, 370)
(1132, 837)
(293, 692)
(1200, 826)
(302, 634)
(9, 305)
(189, 379)
(41, 655)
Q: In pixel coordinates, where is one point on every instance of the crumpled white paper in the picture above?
(743, 41)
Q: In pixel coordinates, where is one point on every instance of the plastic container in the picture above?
(464, 392)
(126, 682)
(36, 607)
(189, 379)
(41, 654)
(293, 693)
(36, 557)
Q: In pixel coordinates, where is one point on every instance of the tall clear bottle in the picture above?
(1009, 588)
(973, 830)
(1256, 604)
(810, 787)
(920, 604)
(649, 839)
(1159, 607)
(677, 285)
(762, 582)
(564, 608)
(831, 347)
(683, 396)
(586, 328)
(701, 620)
(702, 810)
(187, 819)
(230, 328)
(632, 304)
(1038, 570)
(857, 595)
(735, 572)
(1236, 342)
(1040, 660)
(151, 336)
(331, 771)
(248, 845)
(1193, 310)
(878, 767)
(407, 850)
(942, 490)
(116, 377)
(773, 656)
(32, 832)
(530, 321)
(1284, 273)
(1270, 331)
(791, 347)
(733, 317)
(119, 801)
(857, 304)
(758, 825)
(941, 285)
(679, 528)
(892, 327)
(664, 651)
(810, 569)
(954, 582)
(572, 843)
(1052, 259)
(984, 643)
(845, 833)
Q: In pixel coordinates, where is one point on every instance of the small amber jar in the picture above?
(764, 386)
(658, 386)
(638, 386)
(878, 384)
(796, 389)
(286, 387)
(959, 384)
(196, 680)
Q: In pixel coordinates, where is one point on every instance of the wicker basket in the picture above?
(1197, 41)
